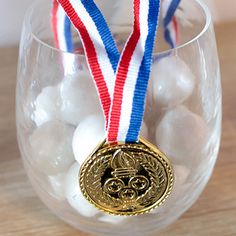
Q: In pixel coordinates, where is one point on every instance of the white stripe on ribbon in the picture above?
(173, 33)
(61, 17)
(68, 58)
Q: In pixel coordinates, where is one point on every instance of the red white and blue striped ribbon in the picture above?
(106, 51)
(62, 25)
(132, 74)
(61, 28)
(121, 80)
(63, 39)
(170, 24)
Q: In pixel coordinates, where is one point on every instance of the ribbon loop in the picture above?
(121, 80)
(133, 74)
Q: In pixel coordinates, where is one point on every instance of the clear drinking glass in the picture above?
(56, 94)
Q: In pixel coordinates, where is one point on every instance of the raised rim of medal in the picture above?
(149, 148)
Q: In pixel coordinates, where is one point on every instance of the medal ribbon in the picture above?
(63, 37)
(123, 90)
(170, 24)
(133, 74)
(62, 26)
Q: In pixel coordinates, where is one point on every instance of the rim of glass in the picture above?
(206, 11)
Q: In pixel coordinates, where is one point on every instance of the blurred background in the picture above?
(12, 13)
(21, 212)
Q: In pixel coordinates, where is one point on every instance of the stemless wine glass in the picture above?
(59, 117)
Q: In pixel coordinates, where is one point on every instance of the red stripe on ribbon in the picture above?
(176, 29)
(54, 22)
(91, 56)
(123, 69)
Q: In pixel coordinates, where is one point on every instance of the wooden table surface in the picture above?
(23, 214)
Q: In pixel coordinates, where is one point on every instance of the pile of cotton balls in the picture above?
(70, 125)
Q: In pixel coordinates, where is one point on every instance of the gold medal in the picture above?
(126, 179)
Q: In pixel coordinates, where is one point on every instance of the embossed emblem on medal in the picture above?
(126, 179)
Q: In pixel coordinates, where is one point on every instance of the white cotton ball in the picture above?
(51, 147)
(57, 183)
(74, 195)
(172, 81)
(47, 105)
(79, 98)
(182, 135)
(181, 174)
(88, 136)
(112, 219)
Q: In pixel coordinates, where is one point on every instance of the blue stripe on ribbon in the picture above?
(171, 12)
(168, 38)
(167, 20)
(104, 31)
(143, 76)
(68, 35)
